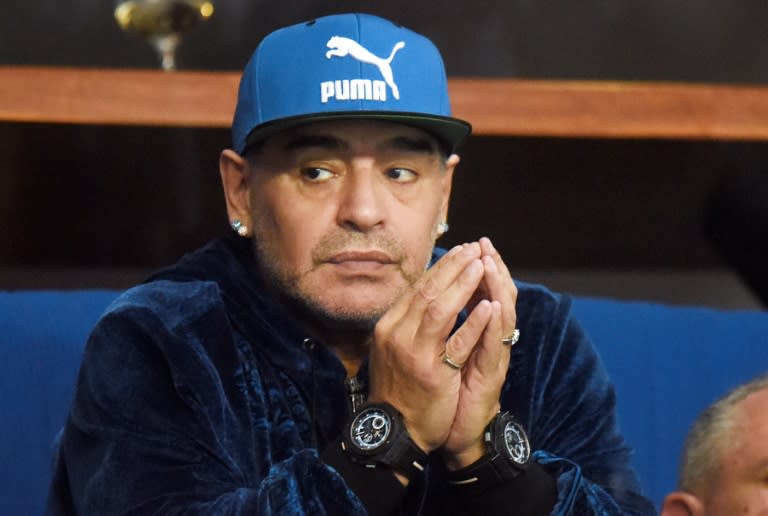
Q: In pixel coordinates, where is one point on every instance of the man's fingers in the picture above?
(440, 315)
(500, 285)
(442, 293)
(426, 289)
(490, 352)
(444, 273)
(501, 288)
(436, 277)
(489, 250)
(460, 345)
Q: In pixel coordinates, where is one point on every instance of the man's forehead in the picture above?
(349, 133)
(755, 405)
(750, 421)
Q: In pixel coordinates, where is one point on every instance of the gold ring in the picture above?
(450, 363)
(512, 339)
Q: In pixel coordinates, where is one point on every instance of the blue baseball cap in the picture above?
(344, 66)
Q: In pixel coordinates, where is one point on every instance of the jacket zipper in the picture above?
(355, 389)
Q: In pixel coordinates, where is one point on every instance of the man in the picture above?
(724, 468)
(324, 358)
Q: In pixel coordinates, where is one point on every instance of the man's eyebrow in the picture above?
(400, 143)
(303, 141)
(409, 144)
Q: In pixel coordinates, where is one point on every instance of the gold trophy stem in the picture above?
(166, 48)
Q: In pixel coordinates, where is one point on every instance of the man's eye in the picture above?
(401, 175)
(316, 174)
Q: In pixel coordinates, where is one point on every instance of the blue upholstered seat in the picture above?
(41, 341)
(667, 363)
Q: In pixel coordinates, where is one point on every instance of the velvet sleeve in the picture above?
(558, 385)
(154, 429)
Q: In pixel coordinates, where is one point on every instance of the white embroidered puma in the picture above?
(340, 46)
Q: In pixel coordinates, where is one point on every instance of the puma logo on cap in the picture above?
(360, 88)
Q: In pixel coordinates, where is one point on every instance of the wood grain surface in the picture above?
(503, 107)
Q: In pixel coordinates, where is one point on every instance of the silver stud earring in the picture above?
(442, 228)
(240, 228)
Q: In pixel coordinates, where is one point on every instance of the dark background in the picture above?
(75, 200)
(680, 40)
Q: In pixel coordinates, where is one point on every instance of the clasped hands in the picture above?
(445, 408)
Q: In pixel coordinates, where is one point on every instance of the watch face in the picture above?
(370, 429)
(516, 442)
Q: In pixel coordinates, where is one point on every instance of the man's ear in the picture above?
(450, 166)
(679, 503)
(235, 182)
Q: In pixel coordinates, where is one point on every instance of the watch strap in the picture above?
(487, 472)
(497, 466)
(404, 456)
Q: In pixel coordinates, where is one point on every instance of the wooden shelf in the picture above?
(119, 97)
(504, 107)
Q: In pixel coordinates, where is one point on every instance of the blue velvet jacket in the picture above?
(199, 395)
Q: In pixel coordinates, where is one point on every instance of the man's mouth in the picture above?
(361, 261)
(361, 256)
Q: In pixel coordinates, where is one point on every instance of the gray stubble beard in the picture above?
(286, 289)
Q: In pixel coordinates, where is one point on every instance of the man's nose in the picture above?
(362, 201)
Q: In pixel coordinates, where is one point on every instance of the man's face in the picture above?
(742, 486)
(344, 215)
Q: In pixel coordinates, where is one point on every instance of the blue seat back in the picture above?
(668, 363)
(42, 335)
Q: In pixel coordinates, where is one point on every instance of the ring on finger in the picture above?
(447, 360)
(512, 339)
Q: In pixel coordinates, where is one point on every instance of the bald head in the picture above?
(724, 469)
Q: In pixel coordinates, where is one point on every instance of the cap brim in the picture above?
(450, 131)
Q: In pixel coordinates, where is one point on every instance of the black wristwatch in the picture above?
(506, 437)
(508, 455)
(376, 436)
